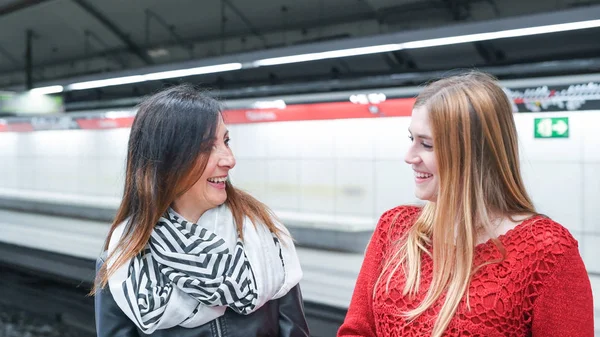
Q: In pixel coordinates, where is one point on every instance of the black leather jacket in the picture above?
(283, 317)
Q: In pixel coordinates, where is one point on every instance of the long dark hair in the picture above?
(170, 141)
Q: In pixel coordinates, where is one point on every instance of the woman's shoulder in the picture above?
(402, 213)
(541, 234)
(398, 219)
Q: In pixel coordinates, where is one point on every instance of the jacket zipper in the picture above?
(219, 334)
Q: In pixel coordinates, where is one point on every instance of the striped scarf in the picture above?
(188, 275)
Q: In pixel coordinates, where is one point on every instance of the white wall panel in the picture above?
(318, 140)
(555, 189)
(110, 174)
(354, 138)
(85, 144)
(591, 249)
(317, 186)
(249, 141)
(283, 138)
(355, 186)
(108, 143)
(88, 182)
(283, 184)
(394, 185)
(251, 176)
(28, 166)
(591, 138)
(391, 138)
(9, 171)
(55, 174)
(591, 198)
(8, 144)
(52, 143)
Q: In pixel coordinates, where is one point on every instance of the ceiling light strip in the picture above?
(554, 28)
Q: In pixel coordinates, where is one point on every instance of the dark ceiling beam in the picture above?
(399, 60)
(494, 7)
(488, 52)
(150, 14)
(459, 9)
(246, 21)
(372, 10)
(16, 6)
(311, 24)
(114, 56)
(134, 48)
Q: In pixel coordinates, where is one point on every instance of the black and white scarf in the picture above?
(190, 273)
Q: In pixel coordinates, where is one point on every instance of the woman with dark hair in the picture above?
(188, 254)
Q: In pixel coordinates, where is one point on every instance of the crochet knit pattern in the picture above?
(540, 289)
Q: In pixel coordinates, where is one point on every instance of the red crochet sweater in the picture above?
(540, 289)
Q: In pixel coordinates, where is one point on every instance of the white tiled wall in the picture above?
(355, 138)
(87, 163)
(556, 190)
(591, 197)
(394, 180)
(340, 168)
(355, 187)
(251, 175)
(283, 184)
(317, 186)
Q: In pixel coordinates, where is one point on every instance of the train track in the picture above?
(46, 287)
(53, 303)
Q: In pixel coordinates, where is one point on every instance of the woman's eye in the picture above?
(227, 141)
(427, 146)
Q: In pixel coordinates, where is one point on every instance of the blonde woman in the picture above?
(477, 259)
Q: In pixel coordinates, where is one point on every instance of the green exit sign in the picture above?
(551, 127)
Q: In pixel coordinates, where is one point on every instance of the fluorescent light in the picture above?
(563, 27)
(334, 54)
(328, 55)
(53, 89)
(106, 83)
(193, 71)
(155, 76)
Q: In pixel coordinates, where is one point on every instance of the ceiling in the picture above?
(74, 38)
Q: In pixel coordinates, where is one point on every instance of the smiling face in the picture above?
(209, 191)
(421, 155)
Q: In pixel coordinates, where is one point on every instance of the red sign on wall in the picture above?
(319, 111)
(105, 123)
(295, 112)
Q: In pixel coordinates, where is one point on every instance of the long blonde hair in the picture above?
(475, 142)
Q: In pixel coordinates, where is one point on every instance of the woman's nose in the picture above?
(227, 159)
(411, 157)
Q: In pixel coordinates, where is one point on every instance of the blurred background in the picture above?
(317, 95)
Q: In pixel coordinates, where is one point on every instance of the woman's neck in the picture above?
(500, 226)
(188, 209)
